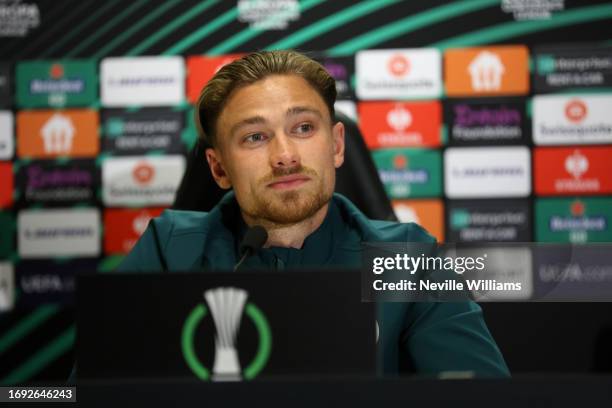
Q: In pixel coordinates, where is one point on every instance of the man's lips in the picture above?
(286, 182)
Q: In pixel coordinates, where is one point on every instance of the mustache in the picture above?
(284, 171)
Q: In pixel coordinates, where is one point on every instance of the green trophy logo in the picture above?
(226, 306)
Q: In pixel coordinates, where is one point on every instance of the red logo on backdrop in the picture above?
(400, 124)
(6, 185)
(400, 162)
(576, 164)
(577, 208)
(398, 65)
(143, 173)
(570, 171)
(56, 71)
(201, 69)
(123, 227)
(575, 111)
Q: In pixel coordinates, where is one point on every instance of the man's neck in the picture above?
(292, 235)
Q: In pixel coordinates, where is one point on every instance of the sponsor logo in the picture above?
(201, 69)
(46, 134)
(18, 18)
(532, 10)
(6, 92)
(409, 173)
(143, 173)
(47, 182)
(56, 84)
(490, 220)
(57, 134)
(487, 172)
(499, 70)
(60, 232)
(135, 133)
(476, 122)
(558, 68)
(139, 181)
(575, 111)
(486, 71)
(6, 135)
(584, 119)
(6, 186)
(45, 281)
(429, 214)
(398, 65)
(577, 221)
(145, 81)
(226, 307)
(573, 220)
(389, 124)
(398, 74)
(268, 14)
(123, 227)
(572, 170)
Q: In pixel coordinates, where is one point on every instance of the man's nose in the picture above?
(284, 152)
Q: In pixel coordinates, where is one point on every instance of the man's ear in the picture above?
(338, 136)
(213, 157)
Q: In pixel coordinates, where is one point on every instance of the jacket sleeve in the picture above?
(148, 253)
(452, 337)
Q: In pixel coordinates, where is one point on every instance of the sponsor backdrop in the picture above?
(482, 125)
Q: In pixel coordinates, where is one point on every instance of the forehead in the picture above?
(271, 96)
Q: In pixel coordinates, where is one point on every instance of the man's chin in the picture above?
(292, 206)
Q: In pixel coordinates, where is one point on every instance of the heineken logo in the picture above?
(225, 306)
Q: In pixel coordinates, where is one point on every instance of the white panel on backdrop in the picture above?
(145, 81)
(59, 232)
(572, 119)
(141, 180)
(398, 73)
(481, 172)
(348, 108)
(7, 286)
(7, 144)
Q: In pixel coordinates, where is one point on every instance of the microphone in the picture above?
(253, 240)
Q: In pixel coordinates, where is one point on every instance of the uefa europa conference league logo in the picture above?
(226, 306)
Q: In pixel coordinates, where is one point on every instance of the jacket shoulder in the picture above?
(174, 238)
(390, 231)
(381, 231)
(173, 223)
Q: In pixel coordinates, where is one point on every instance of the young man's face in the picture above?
(278, 149)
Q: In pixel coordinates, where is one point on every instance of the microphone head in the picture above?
(255, 238)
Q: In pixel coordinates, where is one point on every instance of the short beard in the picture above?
(289, 207)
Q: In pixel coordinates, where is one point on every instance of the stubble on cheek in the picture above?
(287, 207)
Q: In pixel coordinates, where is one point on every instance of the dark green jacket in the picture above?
(415, 337)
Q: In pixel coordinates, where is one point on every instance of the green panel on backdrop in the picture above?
(56, 84)
(410, 172)
(574, 220)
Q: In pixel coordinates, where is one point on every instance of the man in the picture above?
(268, 117)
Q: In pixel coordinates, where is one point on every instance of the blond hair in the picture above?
(250, 69)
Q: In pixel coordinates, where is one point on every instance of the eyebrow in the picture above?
(255, 120)
(302, 109)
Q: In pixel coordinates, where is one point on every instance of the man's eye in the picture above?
(304, 128)
(254, 138)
